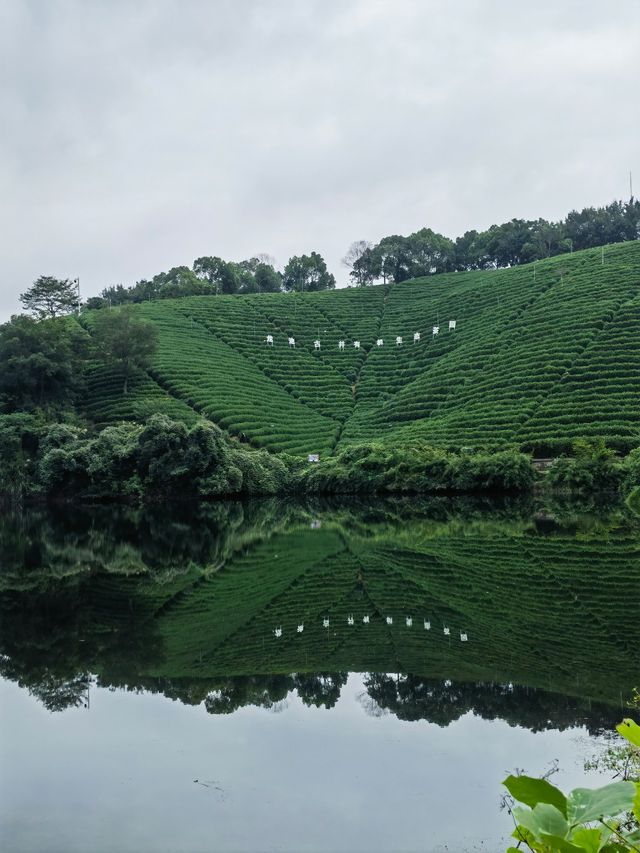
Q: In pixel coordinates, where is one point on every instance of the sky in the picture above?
(137, 136)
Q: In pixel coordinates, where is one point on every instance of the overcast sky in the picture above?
(136, 136)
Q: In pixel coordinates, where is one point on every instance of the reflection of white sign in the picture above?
(300, 629)
(313, 457)
(316, 524)
(463, 636)
(325, 623)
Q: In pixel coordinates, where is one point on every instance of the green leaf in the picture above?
(560, 845)
(589, 839)
(531, 791)
(630, 731)
(636, 802)
(585, 804)
(521, 833)
(542, 819)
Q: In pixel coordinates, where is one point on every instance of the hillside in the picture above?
(541, 354)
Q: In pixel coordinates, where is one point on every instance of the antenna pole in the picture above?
(631, 185)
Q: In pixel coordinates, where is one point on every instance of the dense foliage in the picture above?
(594, 467)
(41, 364)
(398, 258)
(418, 468)
(163, 458)
(167, 458)
(307, 273)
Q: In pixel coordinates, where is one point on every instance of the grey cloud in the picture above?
(137, 136)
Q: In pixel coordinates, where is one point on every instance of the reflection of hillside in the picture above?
(190, 607)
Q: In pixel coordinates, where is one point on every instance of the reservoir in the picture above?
(306, 676)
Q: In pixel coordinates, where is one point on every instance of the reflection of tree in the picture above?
(322, 690)
(54, 690)
(260, 691)
(412, 697)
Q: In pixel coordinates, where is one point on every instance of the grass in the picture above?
(542, 354)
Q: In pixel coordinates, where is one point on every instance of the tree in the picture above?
(124, 340)
(268, 279)
(41, 363)
(221, 275)
(430, 253)
(51, 297)
(394, 253)
(307, 273)
(179, 281)
(360, 271)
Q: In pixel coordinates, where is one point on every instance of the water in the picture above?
(157, 694)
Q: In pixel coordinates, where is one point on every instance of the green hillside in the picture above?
(542, 354)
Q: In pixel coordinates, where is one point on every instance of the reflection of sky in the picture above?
(120, 777)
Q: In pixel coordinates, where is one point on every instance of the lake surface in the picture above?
(281, 676)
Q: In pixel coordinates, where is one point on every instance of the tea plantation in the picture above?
(541, 355)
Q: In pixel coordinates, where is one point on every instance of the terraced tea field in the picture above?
(541, 354)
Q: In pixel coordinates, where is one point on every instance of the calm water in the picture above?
(325, 677)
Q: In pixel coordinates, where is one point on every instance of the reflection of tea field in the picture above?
(271, 588)
(537, 610)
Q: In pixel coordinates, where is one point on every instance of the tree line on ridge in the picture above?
(393, 259)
